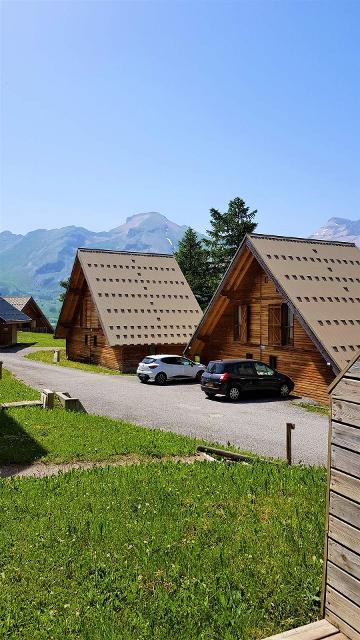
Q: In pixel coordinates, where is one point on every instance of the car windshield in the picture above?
(215, 367)
(148, 360)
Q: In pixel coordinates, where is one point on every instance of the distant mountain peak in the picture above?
(341, 229)
(33, 264)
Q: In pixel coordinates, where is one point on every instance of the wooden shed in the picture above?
(121, 306)
(10, 319)
(342, 553)
(38, 322)
(292, 303)
(341, 583)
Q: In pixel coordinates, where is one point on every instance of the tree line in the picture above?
(204, 262)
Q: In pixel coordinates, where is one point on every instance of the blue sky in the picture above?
(114, 108)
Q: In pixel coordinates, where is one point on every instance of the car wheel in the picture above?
(161, 378)
(210, 395)
(233, 393)
(198, 376)
(284, 390)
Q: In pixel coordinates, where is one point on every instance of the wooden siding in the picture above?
(8, 334)
(301, 361)
(86, 342)
(341, 601)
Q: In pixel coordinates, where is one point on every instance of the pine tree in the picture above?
(65, 285)
(192, 259)
(225, 236)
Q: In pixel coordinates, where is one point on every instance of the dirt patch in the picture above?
(42, 470)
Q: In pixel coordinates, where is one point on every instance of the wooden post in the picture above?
(47, 398)
(289, 428)
(1, 364)
(56, 355)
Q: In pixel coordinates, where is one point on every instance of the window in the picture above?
(242, 322)
(249, 356)
(86, 339)
(263, 370)
(186, 362)
(215, 367)
(280, 325)
(95, 341)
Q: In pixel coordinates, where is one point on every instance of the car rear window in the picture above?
(148, 360)
(215, 367)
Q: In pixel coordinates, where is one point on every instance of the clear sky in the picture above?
(114, 108)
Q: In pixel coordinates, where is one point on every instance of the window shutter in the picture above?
(274, 324)
(244, 329)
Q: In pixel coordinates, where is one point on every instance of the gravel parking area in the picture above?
(253, 424)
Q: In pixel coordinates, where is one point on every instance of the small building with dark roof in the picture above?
(38, 321)
(10, 319)
(292, 303)
(121, 306)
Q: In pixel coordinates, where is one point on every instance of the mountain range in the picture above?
(33, 264)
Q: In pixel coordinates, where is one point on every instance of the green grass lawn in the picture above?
(29, 435)
(161, 552)
(322, 409)
(12, 390)
(39, 339)
(47, 358)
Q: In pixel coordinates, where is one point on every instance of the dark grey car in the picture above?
(231, 378)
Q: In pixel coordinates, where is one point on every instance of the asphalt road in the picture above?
(254, 424)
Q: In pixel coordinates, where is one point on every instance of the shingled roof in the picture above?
(9, 313)
(18, 301)
(320, 280)
(141, 298)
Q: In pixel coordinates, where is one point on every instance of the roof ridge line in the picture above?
(296, 239)
(130, 253)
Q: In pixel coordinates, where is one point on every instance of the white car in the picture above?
(164, 367)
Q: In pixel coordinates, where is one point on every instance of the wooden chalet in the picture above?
(291, 303)
(341, 577)
(122, 306)
(38, 321)
(10, 319)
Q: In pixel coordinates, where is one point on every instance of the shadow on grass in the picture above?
(16, 445)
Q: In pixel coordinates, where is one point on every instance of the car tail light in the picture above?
(153, 366)
(224, 376)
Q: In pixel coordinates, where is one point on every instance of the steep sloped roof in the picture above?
(141, 298)
(321, 282)
(9, 313)
(20, 303)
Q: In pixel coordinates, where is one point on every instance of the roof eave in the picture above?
(320, 346)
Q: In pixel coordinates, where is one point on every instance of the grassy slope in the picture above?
(12, 390)
(57, 436)
(159, 552)
(29, 435)
(47, 358)
(39, 339)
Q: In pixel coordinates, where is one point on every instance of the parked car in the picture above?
(161, 368)
(232, 377)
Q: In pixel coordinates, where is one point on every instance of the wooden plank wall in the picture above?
(342, 553)
(122, 358)
(301, 361)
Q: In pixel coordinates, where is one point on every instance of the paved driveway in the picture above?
(254, 424)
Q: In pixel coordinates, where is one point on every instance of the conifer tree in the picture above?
(192, 259)
(225, 236)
